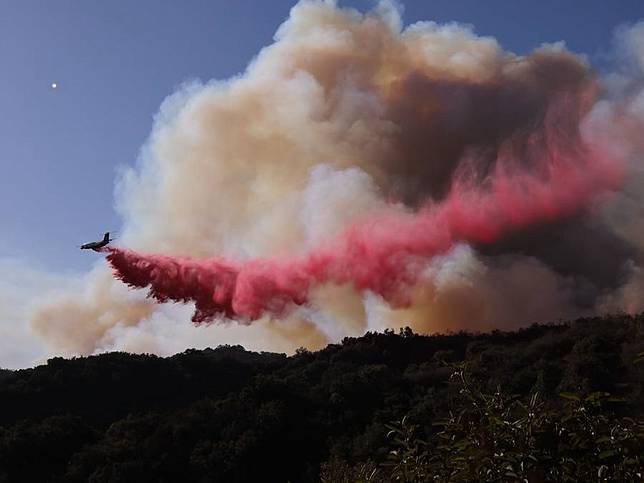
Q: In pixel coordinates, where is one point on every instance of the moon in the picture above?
(54, 85)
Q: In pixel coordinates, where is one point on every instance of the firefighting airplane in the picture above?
(97, 245)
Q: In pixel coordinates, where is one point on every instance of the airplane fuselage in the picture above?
(96, 246)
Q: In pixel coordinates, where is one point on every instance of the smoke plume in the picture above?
(361, 175)
(385, 253)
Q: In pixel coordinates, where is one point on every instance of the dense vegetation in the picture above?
(529, 404)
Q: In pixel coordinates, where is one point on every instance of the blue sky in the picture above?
(116, 61)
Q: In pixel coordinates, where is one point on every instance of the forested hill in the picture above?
(227, 414)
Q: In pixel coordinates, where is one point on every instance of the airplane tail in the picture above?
(106, 237)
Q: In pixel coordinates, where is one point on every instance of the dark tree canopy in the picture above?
(231, 415)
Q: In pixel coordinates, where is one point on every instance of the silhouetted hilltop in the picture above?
(228, 414)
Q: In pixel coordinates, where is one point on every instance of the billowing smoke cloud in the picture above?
(385, 253)
(362, 175)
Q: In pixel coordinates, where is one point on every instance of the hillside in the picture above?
(227, 414)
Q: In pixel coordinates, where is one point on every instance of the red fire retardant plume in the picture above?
(385, 252)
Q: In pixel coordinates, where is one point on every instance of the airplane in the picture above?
(97, 245)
